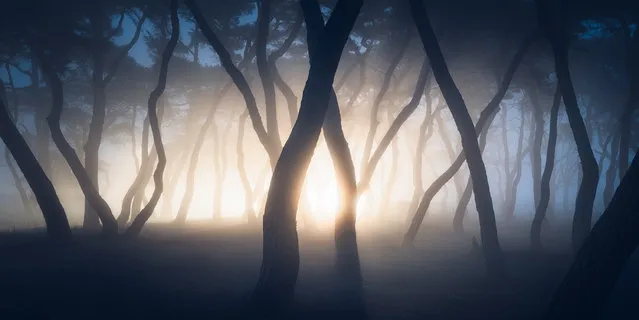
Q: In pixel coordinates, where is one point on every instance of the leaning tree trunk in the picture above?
(462, 206)
(485, 118)
(388, 76)
(109, 224)
(264, 70)
(584, 292)
(280, 257)
(422, 82)
(52, 210)
(544, 197)
(450, 151)
(144, 215)
(271, 145)
(551, 17)
(425, 133)
(481, 189)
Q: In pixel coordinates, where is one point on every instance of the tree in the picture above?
(544, 196)
(52, 210)
(554, 21)
(280, 257)
(584, 291)
(483, 122)
(147, 211)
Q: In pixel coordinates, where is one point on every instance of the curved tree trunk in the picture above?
(462, 206)
(144, 215)
(271, 145)
(485, 118)
(367, 173)
(481, 189)
(264, 70)
(280, 257)
(450, 151)
(584, 292)
(551, 17)
(544, 197)
(109, 224)
(388, 76)
(52, 210)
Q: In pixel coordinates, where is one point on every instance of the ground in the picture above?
(207, 271)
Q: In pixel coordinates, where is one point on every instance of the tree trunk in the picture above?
(264, 70)
(139, 221)
(538, 137)
(109, 224)
(52, 210)
(544, 197)
(625, 128)
(611, 172)
(452, 155)
(584, 292)
(511, 200)
(92, 145)
(221, 168)
(367, 173)
(425, 133)
(388, 76)
(249, 195)
(271, 145)
(485, 118)
(551, 17)
(280, 257)
(462, 206)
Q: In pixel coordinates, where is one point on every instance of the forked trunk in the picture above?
(280, 257)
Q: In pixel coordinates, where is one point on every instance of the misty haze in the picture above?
(319, 159)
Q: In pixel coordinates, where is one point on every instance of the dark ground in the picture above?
(206, 272)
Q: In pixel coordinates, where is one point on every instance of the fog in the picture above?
(314, 159)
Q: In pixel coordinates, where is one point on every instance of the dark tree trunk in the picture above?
(508, 194)
(625, 128)
(52, 210)
(481, 189)
(388, 76)
(538, 137)
(584, 292)
(462, 206)
(611, 172)
(513, 187)
(280, 258)
(17, 180)
(109, 224)
(552, 20)
(485, 118)
(367, 173)
(92, 145)
(271, 145)
(544, 197)
(144, 215)
(264, 70)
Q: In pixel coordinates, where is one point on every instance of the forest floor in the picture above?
(207, 271)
